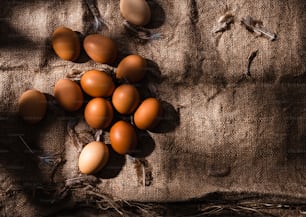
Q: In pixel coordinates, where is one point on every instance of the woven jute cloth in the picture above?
(221, 131)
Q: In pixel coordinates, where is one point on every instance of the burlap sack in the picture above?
(220, 132)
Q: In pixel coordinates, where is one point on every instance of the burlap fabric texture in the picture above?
(221, 132)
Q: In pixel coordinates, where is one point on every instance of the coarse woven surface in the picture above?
(220, 133)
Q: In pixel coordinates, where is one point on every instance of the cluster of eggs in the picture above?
(108, 96)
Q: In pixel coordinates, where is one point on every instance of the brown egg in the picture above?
(32, 106)
(123, 137)
(125, 99)
(136, 12)
(99, 113)
(97, 84)
(68, 94)
(148, 113)
(66, 43)
(100, 48)
(93, 157)
(131, 68)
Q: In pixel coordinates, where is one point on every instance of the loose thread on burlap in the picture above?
(86, 185)
(98, 20)
(141, 32)
(143, 174)
(81, 179)
(143, 169)
(250, 60)
(50, 159)
(247, 76)
(257, 27)
(132, 120)
(224, 22)
(98, 135)
(228, 18)
(25, 144)
(76, 75)
(73, 135)
(84, 192)
(106, 202)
